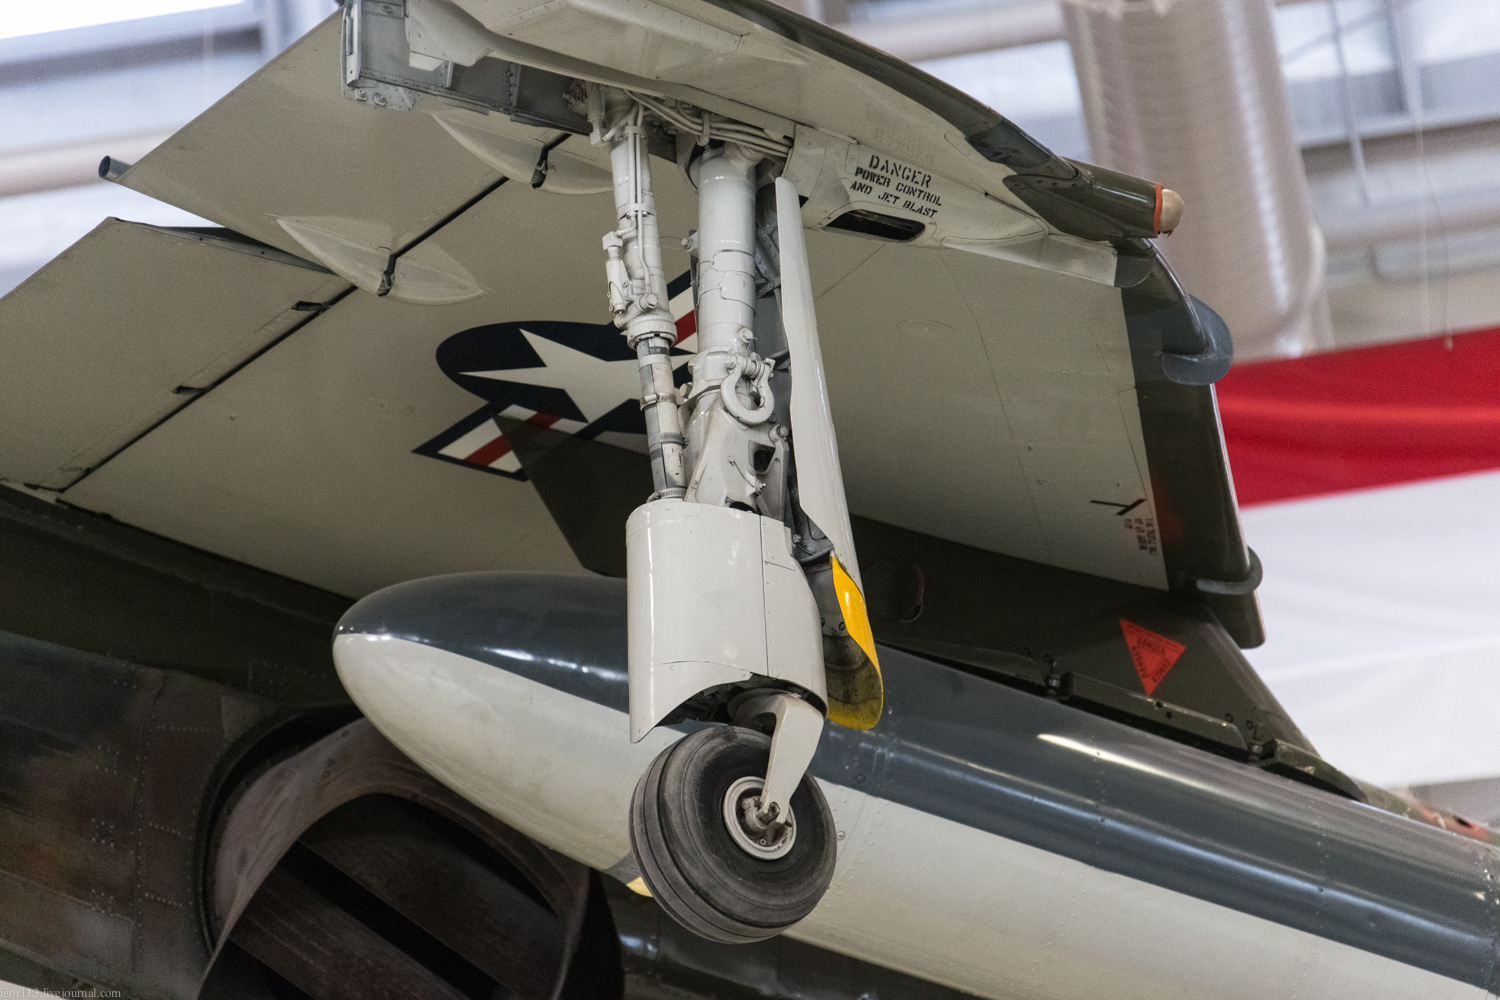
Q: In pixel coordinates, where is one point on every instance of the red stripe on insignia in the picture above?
(687, 325)
(542, 420)
(487, 454)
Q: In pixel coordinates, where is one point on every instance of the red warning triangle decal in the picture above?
(1153, 654)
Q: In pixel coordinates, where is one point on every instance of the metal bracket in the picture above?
(799, 725)
(1236, 588)
(1211, 365)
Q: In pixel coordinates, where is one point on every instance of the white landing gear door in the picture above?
(855, 697)
(714, 597)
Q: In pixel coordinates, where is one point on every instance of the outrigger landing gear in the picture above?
(732, 836)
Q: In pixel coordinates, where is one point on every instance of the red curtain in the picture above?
(1354, 419)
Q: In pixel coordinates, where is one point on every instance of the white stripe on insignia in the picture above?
(472, 441)
(558, 423)
(507, 463)
(682, 303)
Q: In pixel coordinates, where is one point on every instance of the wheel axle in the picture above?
(756, 832)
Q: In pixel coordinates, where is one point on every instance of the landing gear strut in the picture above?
(732, 836)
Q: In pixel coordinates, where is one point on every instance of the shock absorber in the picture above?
(726, 251)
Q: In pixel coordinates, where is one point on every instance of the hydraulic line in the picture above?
(638, 285)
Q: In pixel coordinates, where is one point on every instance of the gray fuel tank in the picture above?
(991, 839)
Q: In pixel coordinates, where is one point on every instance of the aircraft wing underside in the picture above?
(234, 395)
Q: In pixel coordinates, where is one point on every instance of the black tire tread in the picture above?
(714, 890)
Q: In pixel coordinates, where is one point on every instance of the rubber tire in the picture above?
(692, 866)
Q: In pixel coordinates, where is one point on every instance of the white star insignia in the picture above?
(595, 386)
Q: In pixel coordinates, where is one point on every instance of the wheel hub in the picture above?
(752, 834)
